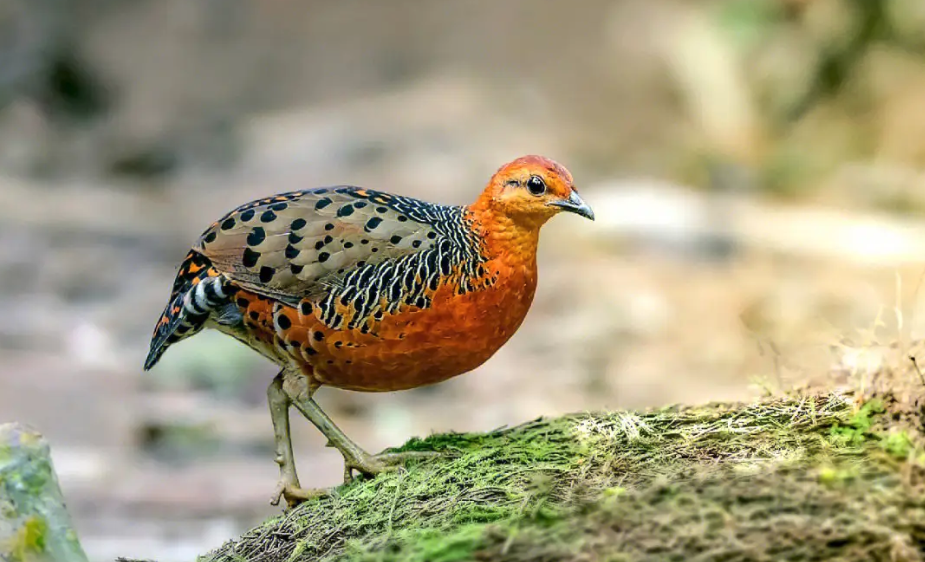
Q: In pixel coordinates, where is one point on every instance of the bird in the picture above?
(367, 291)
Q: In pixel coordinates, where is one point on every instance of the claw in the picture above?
(278, 495)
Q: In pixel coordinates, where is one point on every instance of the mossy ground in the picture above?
(798, 478)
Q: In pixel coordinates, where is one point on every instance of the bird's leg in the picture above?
(288, 479)
(355, 458)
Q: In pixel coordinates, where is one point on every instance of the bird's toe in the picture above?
(371, 465)
(294, 495)
(395, 459)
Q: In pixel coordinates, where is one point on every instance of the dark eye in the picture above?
(536, 185)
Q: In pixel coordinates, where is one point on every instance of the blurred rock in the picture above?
(663, 216)
(696, 225)
(34, 523)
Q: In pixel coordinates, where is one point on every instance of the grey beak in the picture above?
(574, 204)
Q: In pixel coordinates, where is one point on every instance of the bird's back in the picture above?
(363, 289)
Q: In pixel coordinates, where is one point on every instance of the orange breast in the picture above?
(411, 348)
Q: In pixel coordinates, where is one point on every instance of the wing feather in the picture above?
(297, 245)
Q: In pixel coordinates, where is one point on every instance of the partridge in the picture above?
(368, 291)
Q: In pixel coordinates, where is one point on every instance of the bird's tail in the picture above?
(197, 291)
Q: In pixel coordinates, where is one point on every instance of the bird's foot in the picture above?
(289, 488)
(371, 465)
(294, 495)
(395, 459)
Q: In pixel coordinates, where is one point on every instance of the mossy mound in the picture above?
(799, 478)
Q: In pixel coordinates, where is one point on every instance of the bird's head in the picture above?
(531, 189)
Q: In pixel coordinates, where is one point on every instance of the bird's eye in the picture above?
(536, 185)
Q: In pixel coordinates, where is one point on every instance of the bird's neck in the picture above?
(506, 239)
(509, 250)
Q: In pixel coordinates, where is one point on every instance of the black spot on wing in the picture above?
(250, 257)
(256, 236)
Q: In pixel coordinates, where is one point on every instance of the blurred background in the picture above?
(756, 167)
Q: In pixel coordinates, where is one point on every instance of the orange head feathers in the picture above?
(529, 191)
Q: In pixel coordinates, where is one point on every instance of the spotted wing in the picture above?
(305, 243)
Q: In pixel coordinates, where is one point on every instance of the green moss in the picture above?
(857, 429)
(898, 444)
(29, 540)
(33, 534)
(780, 514)
(427, 545)
(494, 491)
